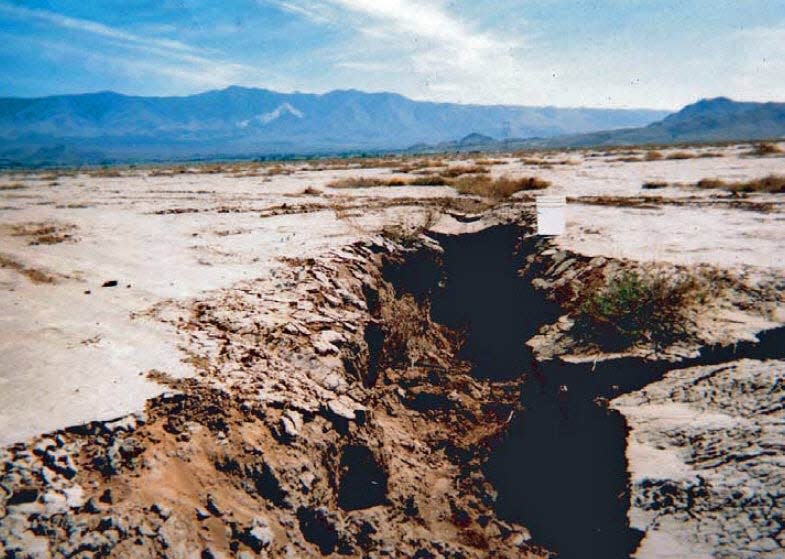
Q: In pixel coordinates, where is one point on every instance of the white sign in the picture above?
(550, 215)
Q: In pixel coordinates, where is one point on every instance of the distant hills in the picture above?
(245, 122)
(709, 120)
(107, 127)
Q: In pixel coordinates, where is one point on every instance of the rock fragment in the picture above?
(258, 535)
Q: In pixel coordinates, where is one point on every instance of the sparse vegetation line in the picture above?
(474, 184)
(772, 184)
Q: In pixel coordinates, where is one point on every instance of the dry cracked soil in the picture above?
(242, 360)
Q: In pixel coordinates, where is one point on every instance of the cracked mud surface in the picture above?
(310, 388)
(720, 430)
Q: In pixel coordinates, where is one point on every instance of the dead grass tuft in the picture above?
(279, 170)
(497, 189)
(765, 149)
(366, 182)
(419, 165)
(458, 170)
(772, 184)
(489, 162)
(428, 180)
(676, 155)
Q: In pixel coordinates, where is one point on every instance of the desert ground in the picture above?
(316, 358)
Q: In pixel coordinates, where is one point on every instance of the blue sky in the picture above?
(609, 53)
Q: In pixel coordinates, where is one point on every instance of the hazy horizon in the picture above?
(327, 92)
(603, 54)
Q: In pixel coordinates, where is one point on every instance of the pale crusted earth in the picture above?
(707, 442)
(257, 413)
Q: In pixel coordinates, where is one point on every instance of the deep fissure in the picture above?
(561, 469)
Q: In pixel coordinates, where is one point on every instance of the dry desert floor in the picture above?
(245, 359)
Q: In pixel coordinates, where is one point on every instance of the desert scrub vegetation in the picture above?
(771, 184)
(633, 307)
(547, 163)
(458, 170)
(764, 149)
(419, 165)
(653, 185)
(337, 163)
(498, 188)
(653, 155)
(428, 180)
(489, 161)
(677, 155)
(473, 184)
(366, 182)
(370, 182)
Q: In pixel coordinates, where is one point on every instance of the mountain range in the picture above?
(242, 122)
(239, 122)
(709, 120)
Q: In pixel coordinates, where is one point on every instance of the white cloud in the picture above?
(109, 65)
(315, 13)
(94, 28)
(426, 50)
(430, 48)
(142, 56)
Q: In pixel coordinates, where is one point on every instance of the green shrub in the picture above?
(632, 307)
